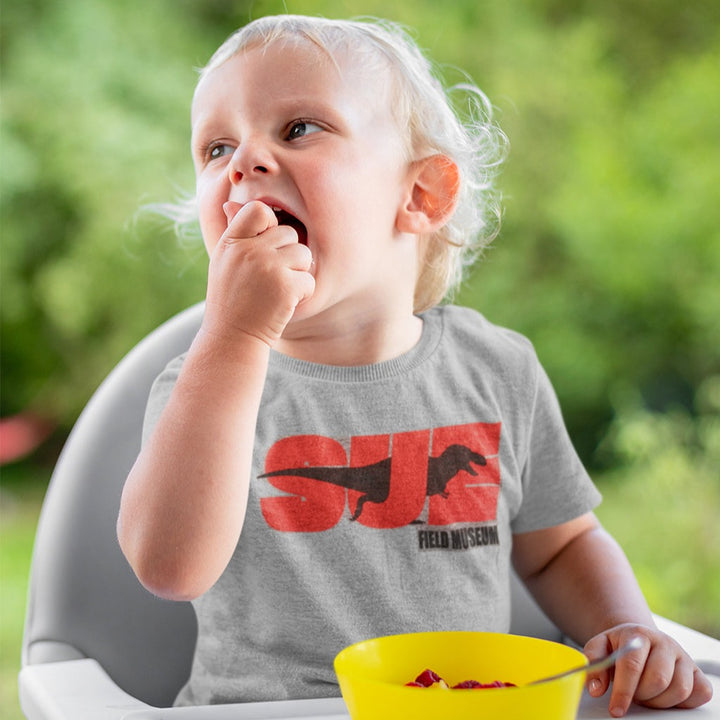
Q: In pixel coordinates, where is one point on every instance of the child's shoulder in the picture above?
(467, 325)
(470, 340)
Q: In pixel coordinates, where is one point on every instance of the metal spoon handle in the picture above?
(601, 664)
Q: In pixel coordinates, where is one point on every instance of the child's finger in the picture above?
(297, 256)
(682, 685)
(306, 285)
(702, 691)
(676, 688)
(626, 677)
(247, 221)
(598, 682)
(666, 678)
(231, 209)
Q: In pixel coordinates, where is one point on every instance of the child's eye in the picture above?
(219, 150)
(300, 128)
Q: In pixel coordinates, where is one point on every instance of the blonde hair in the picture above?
(424, 110)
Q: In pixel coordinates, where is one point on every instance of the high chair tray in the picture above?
(590, 709)
(334, 709)
(51, 691)
(320, 709)
(82, 690)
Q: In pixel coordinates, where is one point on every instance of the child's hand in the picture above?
(659, 675)
(258, 275)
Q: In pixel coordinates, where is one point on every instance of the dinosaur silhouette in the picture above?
(373, 481)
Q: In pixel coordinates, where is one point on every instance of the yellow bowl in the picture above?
(372, 676)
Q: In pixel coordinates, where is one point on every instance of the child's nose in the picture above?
(249, 159)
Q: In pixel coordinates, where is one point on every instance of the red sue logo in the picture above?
(387, 479)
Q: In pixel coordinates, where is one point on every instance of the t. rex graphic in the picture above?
(373, 481)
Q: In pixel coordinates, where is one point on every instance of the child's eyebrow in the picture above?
(201, 130)
(281, 111)
(202, 125)
(305, 105)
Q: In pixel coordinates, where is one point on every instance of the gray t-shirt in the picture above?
(383, 500)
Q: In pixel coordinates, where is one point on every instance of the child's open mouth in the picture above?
(285, 218)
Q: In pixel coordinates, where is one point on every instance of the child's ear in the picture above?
(433, 185)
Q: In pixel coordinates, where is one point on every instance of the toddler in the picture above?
(338, 455)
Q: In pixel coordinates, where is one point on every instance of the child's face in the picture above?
(282, 124)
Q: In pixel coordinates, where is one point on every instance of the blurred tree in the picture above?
(608, 257)
(95, 122)
(610, 251)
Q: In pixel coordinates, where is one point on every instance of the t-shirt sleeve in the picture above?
(159, 395)
(556, 486)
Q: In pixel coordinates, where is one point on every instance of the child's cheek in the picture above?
(211, 232)
(211, 217)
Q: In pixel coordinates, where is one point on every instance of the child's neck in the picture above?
(363, 341)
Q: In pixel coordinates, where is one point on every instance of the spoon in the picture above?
(606, 662)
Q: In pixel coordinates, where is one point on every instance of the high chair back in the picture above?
(84, 600)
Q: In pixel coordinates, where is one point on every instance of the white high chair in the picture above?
(97, 646)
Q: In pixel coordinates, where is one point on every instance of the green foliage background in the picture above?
(609, 256)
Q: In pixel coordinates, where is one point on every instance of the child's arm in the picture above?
(183, 504)
(583, 581)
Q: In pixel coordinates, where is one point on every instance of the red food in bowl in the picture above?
(428, 678)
